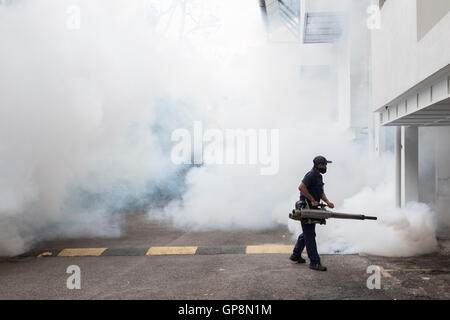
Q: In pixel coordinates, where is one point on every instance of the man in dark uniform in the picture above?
(311, 192)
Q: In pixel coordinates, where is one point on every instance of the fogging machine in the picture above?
(320, 214)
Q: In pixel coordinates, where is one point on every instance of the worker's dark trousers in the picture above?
(308, 239)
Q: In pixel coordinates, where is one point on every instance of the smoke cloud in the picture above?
(86, 117)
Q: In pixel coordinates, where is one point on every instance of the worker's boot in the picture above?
(318, 267)
(301, 260)
(297, 259)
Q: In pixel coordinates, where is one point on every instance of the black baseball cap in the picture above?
(321, 160)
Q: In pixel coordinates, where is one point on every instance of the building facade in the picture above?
(411, 99)
(336, 29)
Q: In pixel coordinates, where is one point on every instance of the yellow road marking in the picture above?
(81, 252)
(416, 270)
(45, 254)
(158, 251)
(385, 272)
(269, 249)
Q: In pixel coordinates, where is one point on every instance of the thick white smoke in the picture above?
(86, 117)
(83, 118)
(399, 232)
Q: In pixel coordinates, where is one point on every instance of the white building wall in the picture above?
(412, 45)
(399, 59)
(352, 65)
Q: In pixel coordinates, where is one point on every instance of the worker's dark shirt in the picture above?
(313, 181)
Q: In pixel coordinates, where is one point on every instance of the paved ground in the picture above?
(219, 266)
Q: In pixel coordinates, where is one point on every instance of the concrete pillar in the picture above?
(262, 5)
(374, 134)
(344, 84)
(398, 165)
(409, 165)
